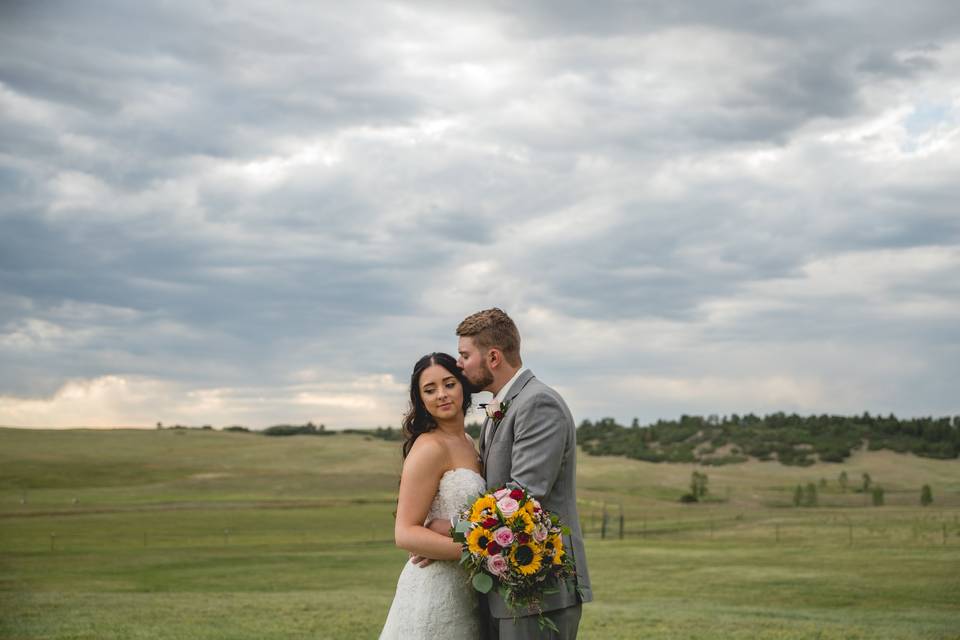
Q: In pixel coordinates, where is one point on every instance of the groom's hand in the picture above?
(441, 526)
(420, 561)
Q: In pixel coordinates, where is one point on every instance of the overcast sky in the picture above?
(255, 213)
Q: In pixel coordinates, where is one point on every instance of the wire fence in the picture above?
(797, 526)
(606, 523)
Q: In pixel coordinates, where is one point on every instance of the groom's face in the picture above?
(472, 362)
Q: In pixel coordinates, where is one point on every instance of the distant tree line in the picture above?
(792, 439)
(383, 433)
(308, 429)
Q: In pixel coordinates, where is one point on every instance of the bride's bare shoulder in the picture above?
(428, 450)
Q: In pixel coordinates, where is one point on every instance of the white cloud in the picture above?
(141, 402)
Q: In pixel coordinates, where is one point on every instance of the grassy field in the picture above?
(200, 534)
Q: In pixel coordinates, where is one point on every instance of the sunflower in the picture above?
(526, 558)
(528, 506)
(478, 539)
(485, 503)
(555, 542)
(525, 518)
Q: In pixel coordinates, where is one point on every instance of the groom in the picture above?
(533, 445)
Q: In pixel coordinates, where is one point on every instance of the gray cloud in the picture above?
(218, 214)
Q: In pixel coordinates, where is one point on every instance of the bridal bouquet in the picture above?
(509, 539)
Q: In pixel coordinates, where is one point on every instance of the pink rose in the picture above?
(508, 506)
(501, 493)
(504, 537)
(497, 565)
(540, 534)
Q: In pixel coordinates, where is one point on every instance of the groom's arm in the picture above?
(539, 442)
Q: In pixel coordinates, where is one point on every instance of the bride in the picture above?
(441, 473)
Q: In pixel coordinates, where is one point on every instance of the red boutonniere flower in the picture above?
(496, 410)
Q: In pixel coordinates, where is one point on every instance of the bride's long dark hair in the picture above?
(418, 420)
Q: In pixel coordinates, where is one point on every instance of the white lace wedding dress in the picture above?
(437, 601)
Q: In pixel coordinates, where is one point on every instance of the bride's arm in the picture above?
(419, 482)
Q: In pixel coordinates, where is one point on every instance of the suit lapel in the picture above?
(488, 424)
(518, 386)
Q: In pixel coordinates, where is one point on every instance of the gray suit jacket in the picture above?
(535, 446)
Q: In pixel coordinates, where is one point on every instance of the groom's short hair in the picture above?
(492, 328)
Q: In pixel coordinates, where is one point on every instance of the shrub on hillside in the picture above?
(877, 495)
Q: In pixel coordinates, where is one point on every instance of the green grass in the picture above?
(164, 534)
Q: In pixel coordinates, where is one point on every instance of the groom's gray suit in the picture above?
(534, 446)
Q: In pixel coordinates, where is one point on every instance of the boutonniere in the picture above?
(496, 410)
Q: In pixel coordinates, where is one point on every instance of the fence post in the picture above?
(621, 521)
(603, 523)
(944, 534)
(777, 528)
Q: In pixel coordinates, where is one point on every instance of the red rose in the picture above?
(493, 548)
(498, 415)
(516, 494)
(489, 523)
(523, 537)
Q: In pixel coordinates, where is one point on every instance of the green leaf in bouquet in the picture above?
(565, 530)
(546, 623)
(462, 528)
(482, 582)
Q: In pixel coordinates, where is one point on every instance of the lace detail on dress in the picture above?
(437, 601)
(457, 486)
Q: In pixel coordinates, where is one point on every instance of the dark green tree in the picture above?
(926, 496)
(866, 482)
(798, 496)
(843, 481)
(698, 485)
